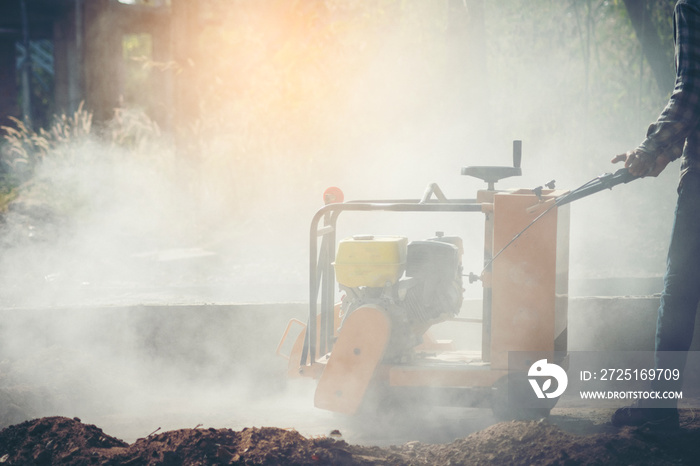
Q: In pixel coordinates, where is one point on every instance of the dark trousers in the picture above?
(681, 294)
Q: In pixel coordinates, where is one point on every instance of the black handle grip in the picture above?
(605, 181)
(517, 153)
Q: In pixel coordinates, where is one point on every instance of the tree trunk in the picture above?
(185, 31)
(652, 47)
(102, 59)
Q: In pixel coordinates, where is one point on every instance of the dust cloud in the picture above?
(122, 233)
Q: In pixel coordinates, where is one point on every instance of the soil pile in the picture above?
(59, 440)
(528, 443)
(55, 440)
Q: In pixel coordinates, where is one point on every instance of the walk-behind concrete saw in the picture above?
(373, 348)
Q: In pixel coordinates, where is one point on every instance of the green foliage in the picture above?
(581, 60)
(8, 193)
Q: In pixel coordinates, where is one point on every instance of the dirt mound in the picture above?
(59, 440)
(54, 440)
(527, 443)
(266, 445)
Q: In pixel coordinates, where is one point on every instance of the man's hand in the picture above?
(640, 163)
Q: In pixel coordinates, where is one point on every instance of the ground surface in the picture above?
(60, 440)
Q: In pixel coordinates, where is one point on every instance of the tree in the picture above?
(654, 47)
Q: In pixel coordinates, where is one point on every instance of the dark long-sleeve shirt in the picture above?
(677, 130)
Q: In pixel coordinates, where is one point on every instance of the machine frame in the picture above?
(452, 375)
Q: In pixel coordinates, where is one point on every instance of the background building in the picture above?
(99, 52)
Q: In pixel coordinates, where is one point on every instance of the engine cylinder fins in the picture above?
(436, 265)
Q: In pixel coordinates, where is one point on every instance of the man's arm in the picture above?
(665, 137)
(641, 163)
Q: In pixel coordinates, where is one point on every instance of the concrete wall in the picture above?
(70, 355)
(612, 323)
(238, 334)
(197, 338)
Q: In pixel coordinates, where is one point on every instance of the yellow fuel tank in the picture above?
(370, 261)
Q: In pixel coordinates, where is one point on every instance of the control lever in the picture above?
(538, 190)
(604, 181)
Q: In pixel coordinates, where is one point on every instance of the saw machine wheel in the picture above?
(511, 399)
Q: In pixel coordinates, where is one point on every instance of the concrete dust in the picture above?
(62, 405)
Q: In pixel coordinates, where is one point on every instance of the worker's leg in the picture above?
(679, 300)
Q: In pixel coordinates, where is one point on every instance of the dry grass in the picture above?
(28, 147)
